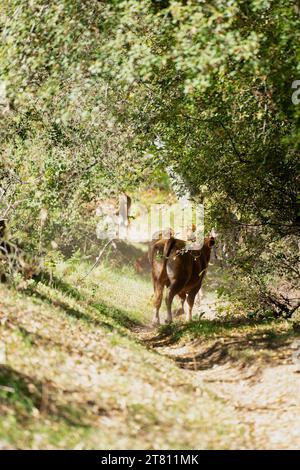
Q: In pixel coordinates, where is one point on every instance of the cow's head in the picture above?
(211, 241)
(212, 237)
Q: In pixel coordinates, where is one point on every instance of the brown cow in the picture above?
(179, 269)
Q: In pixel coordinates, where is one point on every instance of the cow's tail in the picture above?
(167, 250)
(168, 247)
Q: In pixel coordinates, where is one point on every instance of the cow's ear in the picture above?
(211, 241)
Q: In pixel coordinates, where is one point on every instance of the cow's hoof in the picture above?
(168, 321)
(155, 322)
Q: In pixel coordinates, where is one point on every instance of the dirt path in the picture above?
(266, 399)
(264, 394)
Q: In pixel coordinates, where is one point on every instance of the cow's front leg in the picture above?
(190, 300)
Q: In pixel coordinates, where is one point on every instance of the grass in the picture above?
(238, 340)
(75, 373)
(217, 328)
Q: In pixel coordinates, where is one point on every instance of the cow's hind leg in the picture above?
(190, 300)
(173, 290)
(158, 295)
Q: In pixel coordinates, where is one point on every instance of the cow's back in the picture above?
(187, 267)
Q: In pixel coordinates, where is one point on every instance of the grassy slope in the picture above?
(76, 375)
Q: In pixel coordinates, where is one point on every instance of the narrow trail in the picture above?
(264, 395)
